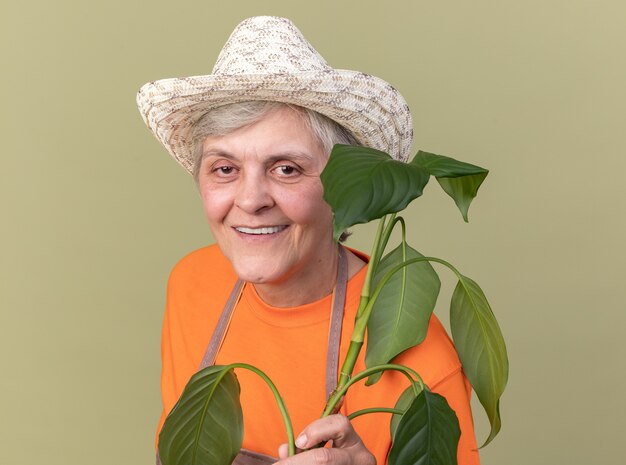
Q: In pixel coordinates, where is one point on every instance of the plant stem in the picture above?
(365, 290)
(401, 220)
(279, 400)
(381, 239)
(365, 411)
(348, 364)
(334, 399)
(384, 239)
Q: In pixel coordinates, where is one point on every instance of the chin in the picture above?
(258, 271)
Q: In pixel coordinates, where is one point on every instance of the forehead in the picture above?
(282, 131)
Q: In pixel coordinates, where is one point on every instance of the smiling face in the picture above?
(262, 196)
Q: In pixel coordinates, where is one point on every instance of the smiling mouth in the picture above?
(260, 231)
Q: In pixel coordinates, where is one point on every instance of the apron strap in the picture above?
(336, 320)
(222, 326)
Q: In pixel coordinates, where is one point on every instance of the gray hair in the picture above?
(228, 118)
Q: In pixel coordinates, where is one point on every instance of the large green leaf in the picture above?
(403, 403)
(428, 433)
(362, 184)
(400, 316)
(206, 424)
(458, 179)
(481, 348)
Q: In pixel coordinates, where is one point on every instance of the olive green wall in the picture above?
(95, 213)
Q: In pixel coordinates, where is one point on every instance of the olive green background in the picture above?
(95, 213)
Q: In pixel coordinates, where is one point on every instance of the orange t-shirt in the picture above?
(289, 345)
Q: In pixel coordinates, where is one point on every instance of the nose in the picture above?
(253, 193)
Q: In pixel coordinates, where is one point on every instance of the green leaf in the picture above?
(362, 184)
(428, 433)
(458, 179)
(403, 403)
(400, 315)
(206, 424)
(481, 348)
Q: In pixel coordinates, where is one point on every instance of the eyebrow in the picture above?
(287, 155)
(217, 153)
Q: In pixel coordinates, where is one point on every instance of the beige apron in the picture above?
(247, 457)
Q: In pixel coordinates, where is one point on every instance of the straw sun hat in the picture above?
(268, 58)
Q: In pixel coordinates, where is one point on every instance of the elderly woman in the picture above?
(277, 291)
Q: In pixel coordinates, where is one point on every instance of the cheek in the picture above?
(307, 206)
(216, 202)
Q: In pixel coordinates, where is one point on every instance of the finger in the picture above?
(319, 456)
(283, 451)
(333, 427)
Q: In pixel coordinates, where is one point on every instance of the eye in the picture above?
(286, 171)
(223, 170)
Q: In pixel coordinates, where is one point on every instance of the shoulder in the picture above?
(435, 358)
(206, 263)
(198, 286)
(200, 278)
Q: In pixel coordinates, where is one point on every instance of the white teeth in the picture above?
(270, 230)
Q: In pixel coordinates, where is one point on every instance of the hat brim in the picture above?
(369, 107)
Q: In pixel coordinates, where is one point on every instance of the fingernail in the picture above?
(301, 441)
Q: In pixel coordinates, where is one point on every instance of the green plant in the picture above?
(397, 300)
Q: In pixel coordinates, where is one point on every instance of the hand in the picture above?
(348, 449)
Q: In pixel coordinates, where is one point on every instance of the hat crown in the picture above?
(268, 45)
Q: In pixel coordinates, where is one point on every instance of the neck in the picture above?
(303, 286)
(308, 285)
